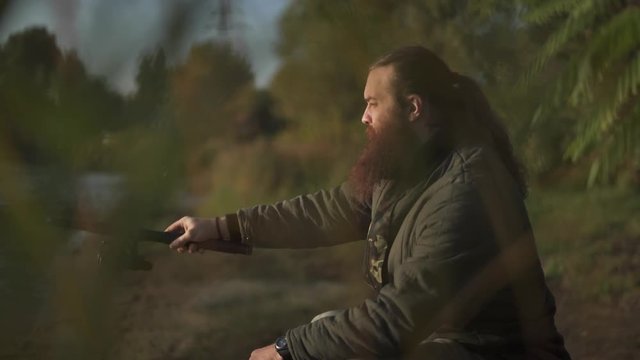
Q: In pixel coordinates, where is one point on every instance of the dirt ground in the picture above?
(599, 330)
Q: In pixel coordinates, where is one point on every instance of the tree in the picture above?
(599, 41)
(256, 117)
(149, 106)
(53, 110)
(204, 99)
(27, 63)
(202, 89)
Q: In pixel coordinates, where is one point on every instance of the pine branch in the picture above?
(621, 145)
(580, 19)
(544, 13)
(614, 40)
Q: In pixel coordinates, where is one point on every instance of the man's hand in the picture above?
(197, 234)
(266, 353)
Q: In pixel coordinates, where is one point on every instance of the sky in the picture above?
(110, 36)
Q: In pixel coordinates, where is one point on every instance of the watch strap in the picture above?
(282, 347)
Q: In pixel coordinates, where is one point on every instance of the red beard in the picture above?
(388, 154)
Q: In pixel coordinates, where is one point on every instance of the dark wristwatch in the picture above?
(282, 347)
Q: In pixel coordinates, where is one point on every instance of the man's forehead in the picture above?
(380, 80)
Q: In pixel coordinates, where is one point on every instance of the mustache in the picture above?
(370, 133)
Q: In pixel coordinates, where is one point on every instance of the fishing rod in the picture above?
(130, 255)
(120, 244)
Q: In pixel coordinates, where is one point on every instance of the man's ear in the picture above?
(415, 107)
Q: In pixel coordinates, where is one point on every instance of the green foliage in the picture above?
(269, 170)
(52, 109)
(203, 87)
(600, 42)
(589, 247)
(210, 94)
(150, 104)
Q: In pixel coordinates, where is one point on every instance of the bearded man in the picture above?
(438, 195)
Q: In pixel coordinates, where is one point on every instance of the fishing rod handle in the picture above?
(169, 236)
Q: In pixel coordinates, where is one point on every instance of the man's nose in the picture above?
(366, 118)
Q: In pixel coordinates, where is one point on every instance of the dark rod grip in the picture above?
(168, 237)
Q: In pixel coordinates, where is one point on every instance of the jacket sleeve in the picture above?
(324, 218)
(451, 245)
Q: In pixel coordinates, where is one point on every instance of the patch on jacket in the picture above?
(377, 253)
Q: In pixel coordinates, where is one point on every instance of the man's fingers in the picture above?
(175, 226)
(193, 237)
(181, 241)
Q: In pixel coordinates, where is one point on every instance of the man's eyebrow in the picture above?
(369, 98)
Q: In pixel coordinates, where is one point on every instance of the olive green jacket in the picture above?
(451, 256)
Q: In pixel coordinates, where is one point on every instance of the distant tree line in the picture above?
(53, 111)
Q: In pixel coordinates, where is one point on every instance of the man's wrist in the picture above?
(214, 229)
(282, 347)
(223, 228)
